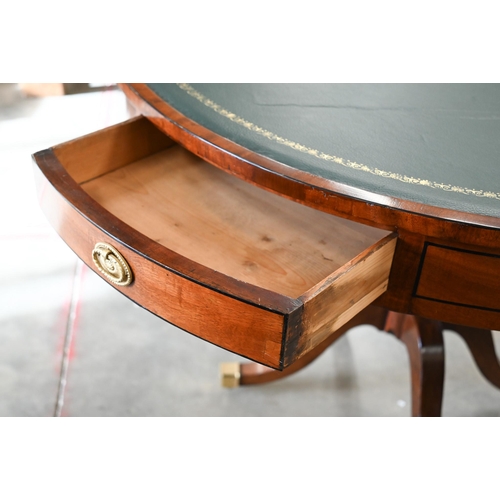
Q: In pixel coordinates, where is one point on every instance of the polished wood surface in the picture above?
(416, 224)
(254, 373)
(423, 339)
(206, 313)
(479, 272)
(424, 342)
(282, 290)
(198, 239)
(481, 345)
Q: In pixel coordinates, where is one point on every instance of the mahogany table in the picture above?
(269, 219)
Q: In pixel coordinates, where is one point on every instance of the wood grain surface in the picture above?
(351, 289)
(416, 224)
(206, 249)
(235, 325)
(217, 220)
(478, 287)
(96, 154)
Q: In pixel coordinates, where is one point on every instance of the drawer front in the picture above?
(245, 269)
(230, 323)
(478, 285)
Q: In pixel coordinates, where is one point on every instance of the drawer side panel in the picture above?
(343, 295)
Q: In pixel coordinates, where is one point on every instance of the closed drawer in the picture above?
(252, 272)
(479, 272)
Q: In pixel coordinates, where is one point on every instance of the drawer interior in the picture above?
(212, 217)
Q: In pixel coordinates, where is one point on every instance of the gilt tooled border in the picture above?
(331, 158)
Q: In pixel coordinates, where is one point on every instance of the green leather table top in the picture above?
(435, 144)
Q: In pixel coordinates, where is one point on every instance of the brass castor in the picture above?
(230, 374)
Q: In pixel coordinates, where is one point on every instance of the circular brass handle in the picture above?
(112, 264)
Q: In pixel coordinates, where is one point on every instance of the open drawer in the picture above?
(243, 268)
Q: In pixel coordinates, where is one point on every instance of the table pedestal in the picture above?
(423, 339)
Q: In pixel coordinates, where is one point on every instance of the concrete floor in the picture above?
(122, 360)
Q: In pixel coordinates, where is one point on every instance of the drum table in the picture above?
(269, 219)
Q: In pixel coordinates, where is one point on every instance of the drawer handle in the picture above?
(112, 264)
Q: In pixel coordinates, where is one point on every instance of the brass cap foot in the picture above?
(230, 374)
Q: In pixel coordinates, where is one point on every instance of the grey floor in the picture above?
(121, 360)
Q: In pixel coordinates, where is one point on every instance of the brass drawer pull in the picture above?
(112, 264)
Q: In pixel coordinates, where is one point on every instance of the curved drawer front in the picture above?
(230, 323)
(245, 269)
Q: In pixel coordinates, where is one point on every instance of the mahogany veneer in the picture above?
(416, 224)
(250, 271)
(213, 249)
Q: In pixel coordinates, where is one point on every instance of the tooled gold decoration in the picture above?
(407, 179)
